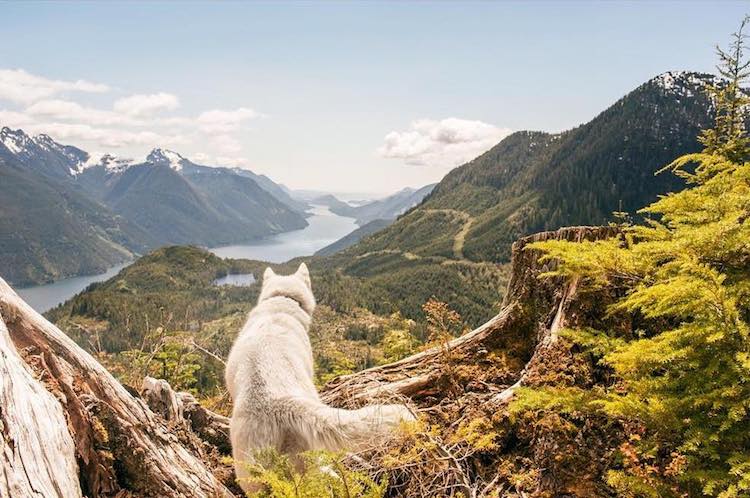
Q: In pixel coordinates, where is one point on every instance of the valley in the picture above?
(323, 228)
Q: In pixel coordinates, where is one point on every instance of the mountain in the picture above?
(455, 245)
(49, 231)
(279, 191)
(388, 208)
(335, 205)
(392, 206)
(66, 212)
(533, 181)
(180, 202)
(40, 153)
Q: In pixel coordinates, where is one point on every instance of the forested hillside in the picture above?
(70, 234)
(534, 181)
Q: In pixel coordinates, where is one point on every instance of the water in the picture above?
(323, 229)
(47, 296)
(238, 279)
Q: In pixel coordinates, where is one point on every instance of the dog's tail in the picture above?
(318, 426)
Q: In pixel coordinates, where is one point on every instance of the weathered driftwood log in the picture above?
(37, 452)
(77, 426)
(533, 312)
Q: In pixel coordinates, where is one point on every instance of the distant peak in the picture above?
(9, 131)
(46, 142)
(14, 140)
(111, 163)
(166, 157)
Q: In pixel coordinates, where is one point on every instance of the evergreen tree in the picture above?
(685, 380)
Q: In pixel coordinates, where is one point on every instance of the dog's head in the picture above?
(296, 286)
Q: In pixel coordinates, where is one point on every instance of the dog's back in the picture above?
(270, 377)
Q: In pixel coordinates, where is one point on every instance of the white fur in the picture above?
(269, 375)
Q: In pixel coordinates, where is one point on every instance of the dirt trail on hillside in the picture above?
(458, 241)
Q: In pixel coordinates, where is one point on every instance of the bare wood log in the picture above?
(534, 311)
(182, 407)
(417, 375)
(162, 399)
(37, 454)
(121, 446)
(209, 426)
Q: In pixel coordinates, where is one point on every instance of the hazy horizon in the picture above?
(364, 97)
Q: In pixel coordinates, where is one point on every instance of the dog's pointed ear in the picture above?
(268, 273)
(304, 274)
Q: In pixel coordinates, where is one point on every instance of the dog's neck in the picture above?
(287, 305)
(298, 300)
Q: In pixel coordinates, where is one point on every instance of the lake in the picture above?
(236, 279)
(324, 228)
(47, 296)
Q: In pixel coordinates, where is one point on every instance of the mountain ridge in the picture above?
(119, 208)
(535, 181)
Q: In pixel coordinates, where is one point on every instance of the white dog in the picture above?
(269, 375)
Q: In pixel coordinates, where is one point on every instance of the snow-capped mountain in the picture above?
(110, 162)
(684, 83)
(100, 209)
(166, 157)
(41, 153)
(94, 171)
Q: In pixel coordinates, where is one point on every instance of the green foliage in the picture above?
(443, 323)
(563, 400)
(171, 356)
(686, 375)
(728, 137)
(310, 475)
(398, 344)
(337, 363)
(162, 316)
(343, 343)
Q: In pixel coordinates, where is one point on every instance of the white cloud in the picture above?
(67, 110)
(226, 144)
(231, 162)
(19, 86)
(218, 121)
(445, 142)
(201, 157)
(144, 105)
(14, 119)
(106, 137)
(220, 160)
(134, 123)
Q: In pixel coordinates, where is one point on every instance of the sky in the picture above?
(363, 97)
